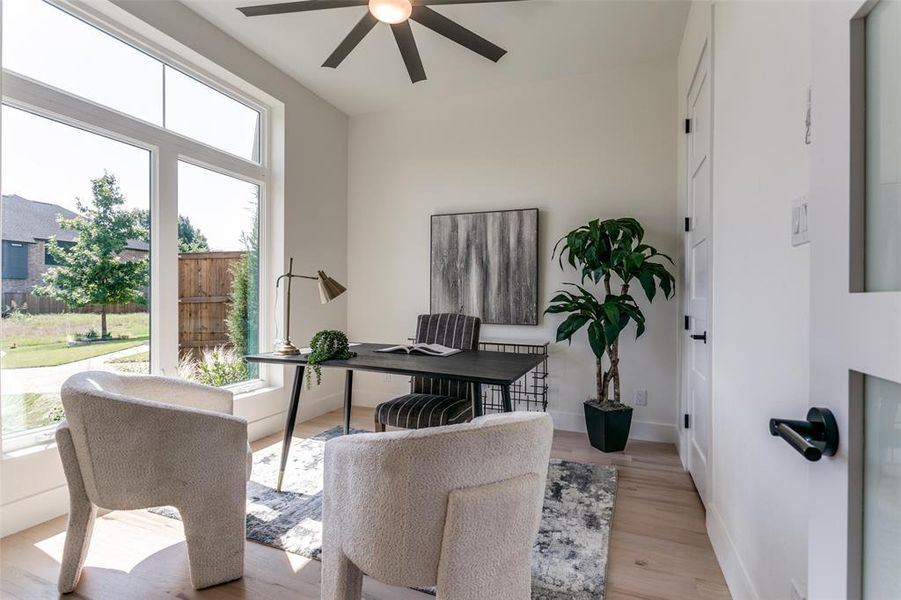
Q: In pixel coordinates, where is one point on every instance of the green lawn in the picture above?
(22, 412)
(132, 358)
(59, 353)
(41, 340)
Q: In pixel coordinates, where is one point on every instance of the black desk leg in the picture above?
(289, 424)
(348, 399)
(476, 391)
(505, 396)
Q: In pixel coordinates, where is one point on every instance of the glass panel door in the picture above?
(883, 147)
(882, 489)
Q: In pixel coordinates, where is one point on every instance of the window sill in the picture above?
(32, 442)
(21, 444)
(34, 446)
(243, 391)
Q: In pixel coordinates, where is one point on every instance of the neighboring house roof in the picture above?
(29, 221)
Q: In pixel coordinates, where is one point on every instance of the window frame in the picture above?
(26, 247)
(166, 149)
(49, 261)
(166, 59)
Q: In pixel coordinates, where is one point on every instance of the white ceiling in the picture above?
(545, 39)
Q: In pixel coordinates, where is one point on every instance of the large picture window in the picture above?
(101, 145)
(49, 45)
(66, 314)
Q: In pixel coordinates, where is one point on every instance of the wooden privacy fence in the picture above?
(42, 305)
(204, 297)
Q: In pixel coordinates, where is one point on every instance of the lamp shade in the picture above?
(329, 289)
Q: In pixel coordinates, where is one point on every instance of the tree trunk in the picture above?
(103, 321)
(601, 381)
(614, 358)
(613, 352)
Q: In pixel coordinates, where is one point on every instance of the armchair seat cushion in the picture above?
(415, 411)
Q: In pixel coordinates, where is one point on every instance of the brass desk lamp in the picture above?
(329, 289)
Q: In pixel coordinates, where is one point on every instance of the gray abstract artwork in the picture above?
(486, 263)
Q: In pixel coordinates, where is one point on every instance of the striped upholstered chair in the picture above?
(434, 402)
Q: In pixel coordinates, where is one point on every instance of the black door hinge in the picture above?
(687, 125)
(687, 224)
(687, 421)
(687, 323)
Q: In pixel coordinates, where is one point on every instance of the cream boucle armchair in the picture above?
(138, 441)
(456, 507)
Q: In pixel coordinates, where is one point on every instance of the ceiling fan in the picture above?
(397, 14)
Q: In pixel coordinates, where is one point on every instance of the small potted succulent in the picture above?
(327, 344)
(608, 253)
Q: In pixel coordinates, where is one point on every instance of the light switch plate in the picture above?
(799, 229)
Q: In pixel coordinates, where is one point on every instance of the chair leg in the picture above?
(78, 537)
(215, 534)
(341, 578)
(82, 514)
(379, 427)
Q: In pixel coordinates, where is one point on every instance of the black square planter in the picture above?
(608, 428)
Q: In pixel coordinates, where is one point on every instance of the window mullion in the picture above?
(164, 263)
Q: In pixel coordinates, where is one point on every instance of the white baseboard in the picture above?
(32, 510)
(740, 585)
(648, 431)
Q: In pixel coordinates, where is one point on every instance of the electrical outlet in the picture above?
(796, 592)
(800, 234)
(641, 397)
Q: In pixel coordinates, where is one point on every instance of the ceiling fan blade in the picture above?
(291, 7)
(350, 42)
(457, 33)
(403, 35)
(440, 2)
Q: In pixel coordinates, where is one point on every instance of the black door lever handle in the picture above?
(700, 338)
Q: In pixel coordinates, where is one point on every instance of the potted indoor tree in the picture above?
(608, 253)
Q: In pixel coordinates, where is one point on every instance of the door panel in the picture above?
(854, 335)
(697, 276)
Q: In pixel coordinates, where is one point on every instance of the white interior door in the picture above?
(696, 280)
(854, 547)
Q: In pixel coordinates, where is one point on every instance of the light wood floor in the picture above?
(659, 547)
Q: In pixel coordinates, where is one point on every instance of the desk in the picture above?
(474, 366)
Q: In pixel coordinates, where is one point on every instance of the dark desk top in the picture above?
(498, 368)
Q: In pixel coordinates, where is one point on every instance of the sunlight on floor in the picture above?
(126, 556)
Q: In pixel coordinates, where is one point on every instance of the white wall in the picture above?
(757, 519)
(578, 148)
(312, 166)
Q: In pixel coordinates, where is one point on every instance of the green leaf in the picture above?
(646, 278)
(596, 339)
(570, 326)
(611, 311)
(557, 308)
(635, 260)
(666, 283)
(612, 330)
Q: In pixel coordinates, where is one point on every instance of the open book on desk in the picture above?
(427, 349)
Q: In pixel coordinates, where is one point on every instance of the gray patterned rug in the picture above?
(569, 559)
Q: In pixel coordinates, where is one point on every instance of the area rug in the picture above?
(569, 560)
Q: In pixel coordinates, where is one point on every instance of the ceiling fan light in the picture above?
(391, 11)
